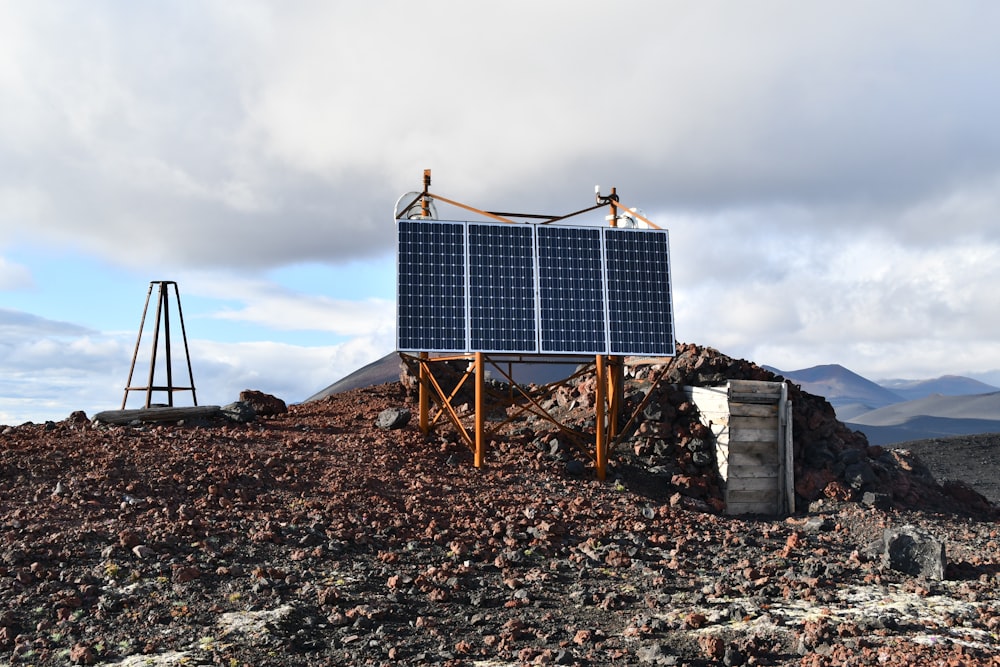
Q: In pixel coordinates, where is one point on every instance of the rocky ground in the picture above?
(974, 459)
(315, 537)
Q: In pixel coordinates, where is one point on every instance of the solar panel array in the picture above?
(533, 289)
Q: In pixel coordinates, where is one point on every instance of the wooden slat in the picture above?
(754, 471)
(753, 410)
(752, 496)
(756, 446)
(767, 423)
(764, 399)
(739, 484)
(788, 466)
(754, 386)
(749, 435)
(753, 457)
(752, 391)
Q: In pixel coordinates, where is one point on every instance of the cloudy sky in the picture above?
(829, 173)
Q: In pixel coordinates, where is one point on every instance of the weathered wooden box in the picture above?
(752, 427)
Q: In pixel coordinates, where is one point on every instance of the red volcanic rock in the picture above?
(182, 574)
(714, 647)
(81, 654)
(265, 405)
(837, 490)
(341, 543)
(810, 482)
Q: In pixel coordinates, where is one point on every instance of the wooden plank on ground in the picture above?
(166, 414)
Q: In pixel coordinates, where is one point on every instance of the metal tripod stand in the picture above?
(162, 315)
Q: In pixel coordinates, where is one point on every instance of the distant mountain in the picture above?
(379, 371)
(848, 412)
(930, 417)
(841, 387)
(946, 385)
(923, 428)
(978, 407)
(900, 410)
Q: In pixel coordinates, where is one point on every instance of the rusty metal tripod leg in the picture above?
(424, 395)
(480, 407)
(601, 445)
(616, 392)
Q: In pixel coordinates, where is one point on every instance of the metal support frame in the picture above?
(162, 315)
(472, 429)
(612, 201)
(609, 400)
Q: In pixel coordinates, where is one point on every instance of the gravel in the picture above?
(314, 537)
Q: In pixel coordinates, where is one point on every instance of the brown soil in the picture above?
(315, 538)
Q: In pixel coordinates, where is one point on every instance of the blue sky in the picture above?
(829, 171)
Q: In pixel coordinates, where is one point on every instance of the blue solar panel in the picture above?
(502, 288)
(640, 311)
(571, 290)
(431, 297)
(521, 288)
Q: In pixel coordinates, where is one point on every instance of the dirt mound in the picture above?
(669, 451)
(970, 460)
(314, 537)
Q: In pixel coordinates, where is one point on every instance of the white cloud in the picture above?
(14, 276)
(829, 171)
(49, 369)
(279, 308)
(869, 303)
(257, 134)
(292, 373)
(286, 311)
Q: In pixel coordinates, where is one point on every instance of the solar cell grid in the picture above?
(431, 287)
(639, 302)
(502, 288)
(490, 287)
(571, 290)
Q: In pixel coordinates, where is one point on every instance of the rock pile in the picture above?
(670, 445)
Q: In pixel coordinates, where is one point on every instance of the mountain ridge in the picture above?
(905, 409)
